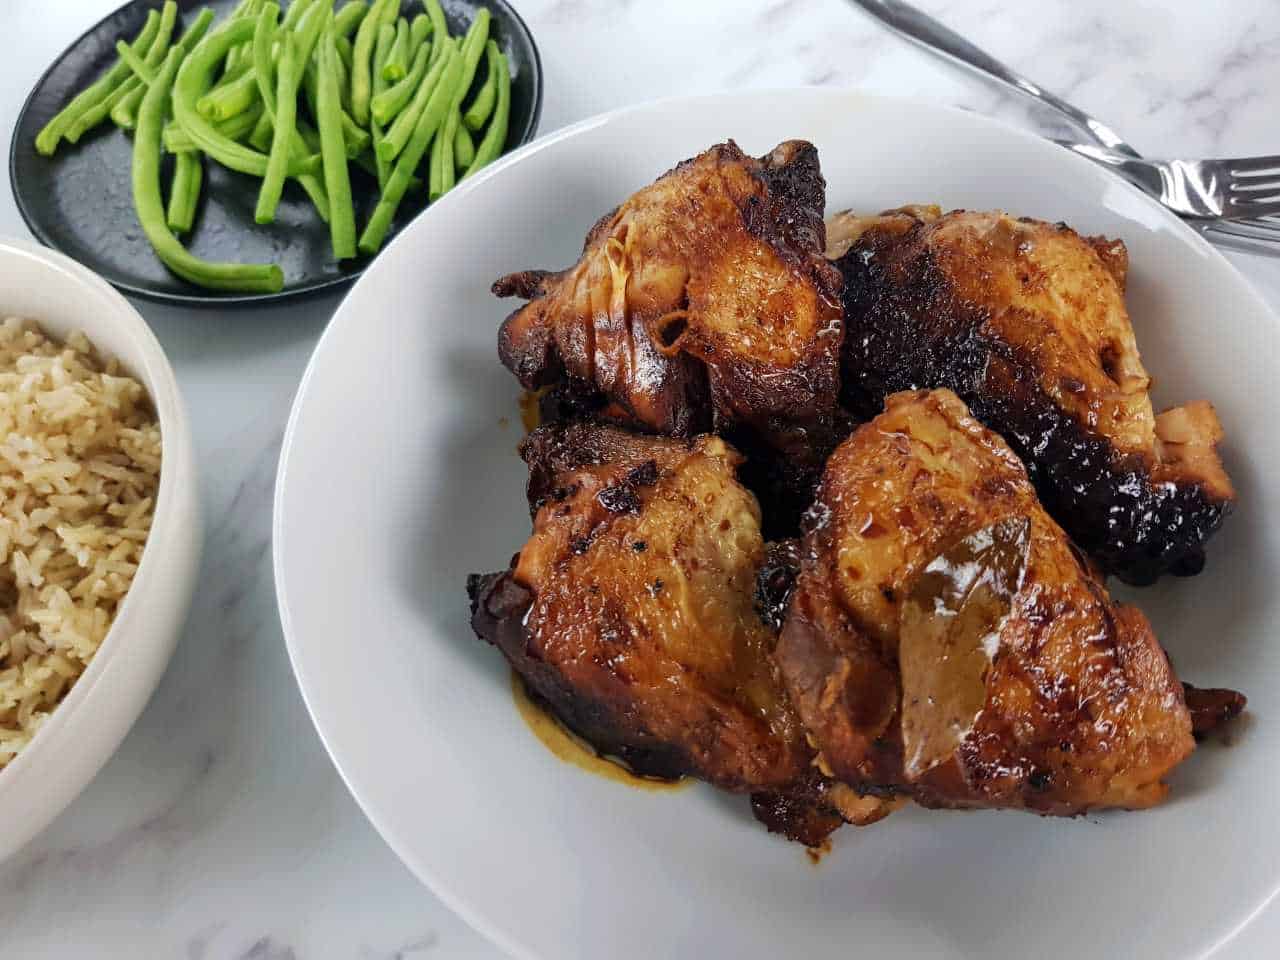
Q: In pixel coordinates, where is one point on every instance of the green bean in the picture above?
(263, 278)
(400, 132)
(439, 187)
(49, 136)
(230, 98)
(139, 66)
(435, 166)
(496, 139)
(348, 18)
(195, 33)
(361, 71)
(387, 104)
(355, 138)
(129, 96)
(429, 122)
(125, 105)
(264, 36)
(123, 114)
(344, 80)
(293, 15)
(260, 136)
(310, 135)
(342, 222)
(482, 106)
(439, 29)
(345, 53)
(281, 140)
(193, 77)
(311, 183)
(397, 64)
(464, 149)
(240, 54)
(155, 53)
(419, 30)
(367, 162)
(473, 46)
(381, 50)
(175, 139)
(184, 191)
(309, 31)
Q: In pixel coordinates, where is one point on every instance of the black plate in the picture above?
(79, 200)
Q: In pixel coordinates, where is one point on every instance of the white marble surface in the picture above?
(221, 830)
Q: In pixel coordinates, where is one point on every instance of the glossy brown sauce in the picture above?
(573, 750)
(530, 414)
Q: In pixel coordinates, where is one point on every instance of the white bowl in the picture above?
(399, 476)
(87, 727)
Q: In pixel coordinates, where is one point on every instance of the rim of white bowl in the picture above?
(175, 470)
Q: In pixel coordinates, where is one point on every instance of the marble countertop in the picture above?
(220, 830)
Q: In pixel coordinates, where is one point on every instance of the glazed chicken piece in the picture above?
(944, 640)
(703, 302)
(1026, 321)
(629, 613)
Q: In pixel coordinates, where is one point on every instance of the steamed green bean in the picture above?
(386, 105)
(464, 148)
(286, 97)
(400, 132)
(184, 191)
(482, 106)
(419, 31)
(496, 137)
(397, 64)
(429, 123)
(346, 20)
(55, 130)
(264, 278)
(342, 221)
(155, 54)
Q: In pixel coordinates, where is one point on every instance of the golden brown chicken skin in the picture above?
(946, 642)
(1026, 321)
(630, 614)
(703, 302)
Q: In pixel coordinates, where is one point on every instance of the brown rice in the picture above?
(79, 469)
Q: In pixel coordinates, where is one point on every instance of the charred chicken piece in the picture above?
(1211, 707)
(1026, 321)
(629, 613)
(945, 641)
(702, 303)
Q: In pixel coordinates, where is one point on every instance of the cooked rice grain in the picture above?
(79, 468)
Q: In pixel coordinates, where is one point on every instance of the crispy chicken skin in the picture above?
(630, 614)
(702, 303)
(1026, 321)
(946, 642)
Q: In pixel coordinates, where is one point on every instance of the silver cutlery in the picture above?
(1229, 201)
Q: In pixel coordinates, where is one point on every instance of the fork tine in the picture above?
(1252, 166)
(1255, 186)
(1256, 229)
(1236, 206)
(1257, 176)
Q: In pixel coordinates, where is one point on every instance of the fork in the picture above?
(1228, 201)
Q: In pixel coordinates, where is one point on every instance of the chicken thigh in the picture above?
(1026, 322)
(946, 642)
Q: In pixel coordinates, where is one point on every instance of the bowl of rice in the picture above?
(99, 528)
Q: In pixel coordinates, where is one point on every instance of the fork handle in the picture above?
(920, 28)
(1141, 173)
